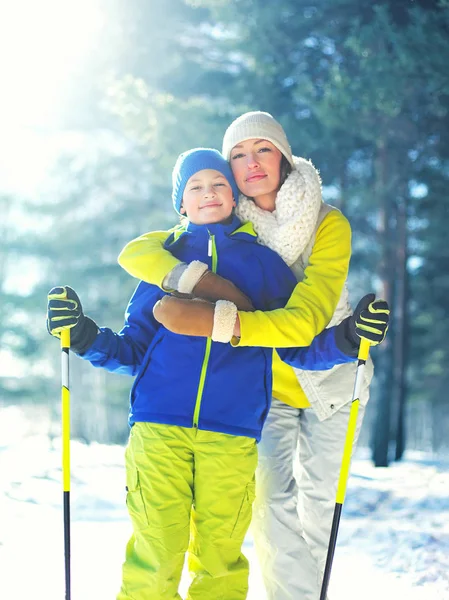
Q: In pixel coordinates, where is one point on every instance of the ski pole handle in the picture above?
(65, 410)
(364, 349)
(65, 399)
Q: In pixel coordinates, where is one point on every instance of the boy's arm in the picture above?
(118, 352)
(338, 345)
(123, 352)
(115, 352)
(333, 346)
(322, 354)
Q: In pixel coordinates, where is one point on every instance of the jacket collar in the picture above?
(217, 229)
(197, 233)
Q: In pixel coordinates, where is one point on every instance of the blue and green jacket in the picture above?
(192, 381)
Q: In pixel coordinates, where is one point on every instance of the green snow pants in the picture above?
(188, 491)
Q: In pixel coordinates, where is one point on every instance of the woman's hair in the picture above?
(286, 169)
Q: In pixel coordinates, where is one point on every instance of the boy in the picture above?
(197, 407)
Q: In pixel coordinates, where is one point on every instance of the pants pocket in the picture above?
(243, 519)
(134, 499)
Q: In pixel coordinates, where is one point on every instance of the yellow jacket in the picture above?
(306, 314)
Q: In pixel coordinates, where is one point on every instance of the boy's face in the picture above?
(207, 198)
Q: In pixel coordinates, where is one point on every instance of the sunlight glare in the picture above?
(42, 44)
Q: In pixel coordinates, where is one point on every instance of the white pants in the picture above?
(296, 483)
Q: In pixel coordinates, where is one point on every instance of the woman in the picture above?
(302, 444)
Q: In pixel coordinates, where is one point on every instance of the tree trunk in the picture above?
(343, 186)
(382, 422)
(401, 326)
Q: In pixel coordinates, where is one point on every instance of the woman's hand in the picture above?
(213, 287)
(197, 317)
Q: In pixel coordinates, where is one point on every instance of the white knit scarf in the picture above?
(288, 229)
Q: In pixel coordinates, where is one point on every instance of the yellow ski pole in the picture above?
(345, 464)
(65, 398)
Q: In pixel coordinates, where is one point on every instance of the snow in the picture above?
(393, 540)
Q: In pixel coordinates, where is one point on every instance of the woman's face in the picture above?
(256, 165)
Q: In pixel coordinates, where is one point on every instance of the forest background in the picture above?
(98, 99)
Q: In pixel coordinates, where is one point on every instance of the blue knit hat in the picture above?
(195, 160)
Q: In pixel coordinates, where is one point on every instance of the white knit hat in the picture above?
(259, 125)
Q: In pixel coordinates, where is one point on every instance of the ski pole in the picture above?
(345, 464)
(65, 398)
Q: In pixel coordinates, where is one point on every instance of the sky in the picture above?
(393, 540)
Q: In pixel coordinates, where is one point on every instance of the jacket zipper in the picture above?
(211, 251)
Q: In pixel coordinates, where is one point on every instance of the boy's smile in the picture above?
(207, 198)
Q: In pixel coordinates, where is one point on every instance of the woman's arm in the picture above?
(146, 258)
(124, 352)
(340, 344)
(314, 300)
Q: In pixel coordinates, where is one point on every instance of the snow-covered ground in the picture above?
(393, 539)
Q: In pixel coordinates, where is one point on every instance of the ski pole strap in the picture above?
(65, 399)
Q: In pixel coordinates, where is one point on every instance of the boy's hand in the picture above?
(370, 321)
(64, 311)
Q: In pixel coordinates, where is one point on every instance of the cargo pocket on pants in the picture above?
(134, 500)
(243, 520)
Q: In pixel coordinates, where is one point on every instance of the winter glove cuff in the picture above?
(346, 339)
(191, 276)
(171, 280)
(83, 335)
(225, 314)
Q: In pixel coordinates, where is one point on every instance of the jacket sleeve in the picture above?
(314, 300)
(123, 352)
(146, 258)
(321, 355)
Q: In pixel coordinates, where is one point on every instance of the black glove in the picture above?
(64, 311)
(369, 321)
